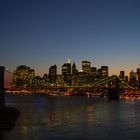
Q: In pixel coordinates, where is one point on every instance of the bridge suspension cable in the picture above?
(122, 82)
(104, 81)
(111, 79)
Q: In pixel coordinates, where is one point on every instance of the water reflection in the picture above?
(90, 117)
(73, 117)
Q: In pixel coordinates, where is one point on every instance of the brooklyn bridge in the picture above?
(112, 86)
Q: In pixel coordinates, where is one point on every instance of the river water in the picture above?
(50, 118)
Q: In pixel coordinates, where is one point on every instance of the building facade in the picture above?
(122, 75)
(86, 66)
(66, 72)
(53, 74)
(23, 77)
(103, 72)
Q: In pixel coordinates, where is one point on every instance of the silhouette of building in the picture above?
(2, 99)
(138, 75)
(133, 79)
(86, 66)
(53, 74)
(126, 79)
(74, 70)
(8, 115)
(122, 75)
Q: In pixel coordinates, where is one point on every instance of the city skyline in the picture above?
(70, 68)
(42, 33)
(79, 68)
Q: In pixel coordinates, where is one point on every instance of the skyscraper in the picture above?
(133, 79)
(94, 71)
(23, 76)
(86, 66)
(53, 74)
(66, 72)
(74, 70)
(122, 75)
(66, 69)
(103, 72)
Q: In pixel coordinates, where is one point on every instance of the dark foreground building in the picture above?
(8, 115)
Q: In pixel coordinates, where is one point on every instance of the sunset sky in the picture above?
(40, 33)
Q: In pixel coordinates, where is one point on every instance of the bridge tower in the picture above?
(114, 92)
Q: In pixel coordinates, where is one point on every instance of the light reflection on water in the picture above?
(43, 118)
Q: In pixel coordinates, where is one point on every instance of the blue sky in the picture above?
(40, 33)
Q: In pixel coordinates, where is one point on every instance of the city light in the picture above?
(92, 81)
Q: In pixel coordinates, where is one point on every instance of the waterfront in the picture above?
(43, 118)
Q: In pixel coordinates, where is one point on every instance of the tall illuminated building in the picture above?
(86, 66)
(53, 74)
(23, 77)
(103, 72)
(66, 72)
(81, 78)
(66, 69)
